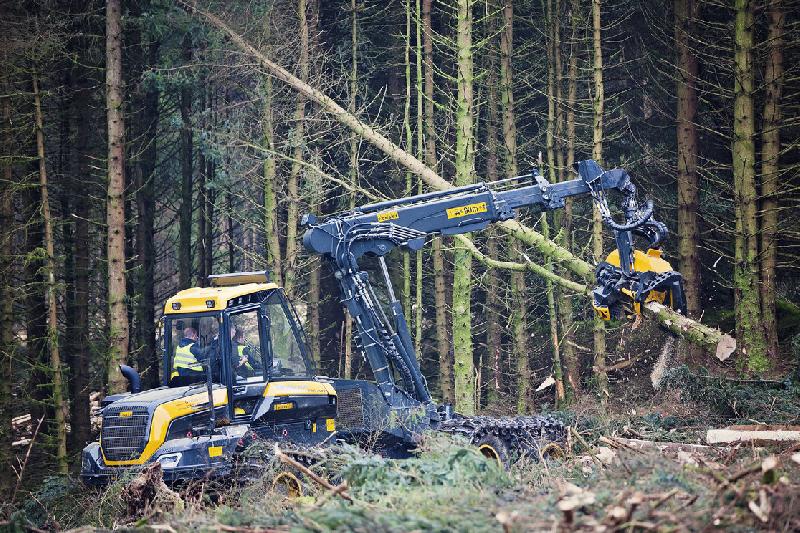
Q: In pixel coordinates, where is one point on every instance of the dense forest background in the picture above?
(142, 150)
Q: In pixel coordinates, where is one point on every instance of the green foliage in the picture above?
(767, 402)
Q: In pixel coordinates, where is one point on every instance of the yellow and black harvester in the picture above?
(236, 368)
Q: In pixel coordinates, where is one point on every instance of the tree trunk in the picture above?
(410, 149)
(463, 366)
(353, 176)
(571, 362)
(688, 183)
(439, 272)
(601, 377)
(59, 406)
(7, 296)
(185, 215)
(553, 51)
(494, 335)
(298, 142)
(749, 321)
(518, 303)
(770, 172)
(202, 249)
(272, 243)
(418, 310)
(115, 218)
(148, 362)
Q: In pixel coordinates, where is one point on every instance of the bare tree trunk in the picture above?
(410, 149)
(749, 322)
(601, 377)
(115, 218)
(59, 405)
(770, 172)
(202, 249)
(185, 215)
(463, 366)
(7, 296)
(494, 338)
(418, 300)
(440, 291)
(553, 51)
(518, 303)
(298, 139)
(565, 303)
(353, 175)
(688, 183)
(272, 243)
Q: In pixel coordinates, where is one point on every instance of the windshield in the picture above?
(287, 358)
(193, 341)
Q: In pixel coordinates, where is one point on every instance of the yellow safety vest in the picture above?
(241, 348)
(184, 358)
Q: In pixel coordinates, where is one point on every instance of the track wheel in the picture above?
(287, 484)
(494, 448)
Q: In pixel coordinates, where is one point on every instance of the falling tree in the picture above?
(115, 218)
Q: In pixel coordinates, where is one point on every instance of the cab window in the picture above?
(287, 357)
(247, 359)
(193, 341)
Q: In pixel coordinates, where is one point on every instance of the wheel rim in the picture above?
(288, 482)
(488, 451)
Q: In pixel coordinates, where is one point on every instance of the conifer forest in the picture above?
(399, 265)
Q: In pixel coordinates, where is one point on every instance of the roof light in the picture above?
(210, 304)
(176, 306)
(238, 278)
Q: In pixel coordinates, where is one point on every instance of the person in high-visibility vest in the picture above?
(241, 351)
(185, 362)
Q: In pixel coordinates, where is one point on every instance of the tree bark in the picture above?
(419, 307)
(572, 368)
(187, 149)
(553, 52)
(439, 272)
(770, 172)
(352, 174)
(149, 359)
(272, 243)
(518, 303)
(7, 295)
(601, 377)
(463, 366)
(115, 218)
(749, 319)
(494, 335)
(298, 143)
(688, 182)
(58, 403)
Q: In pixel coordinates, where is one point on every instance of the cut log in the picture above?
(753, 434)
(710, 339)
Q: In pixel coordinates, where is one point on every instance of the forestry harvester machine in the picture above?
(236, 368)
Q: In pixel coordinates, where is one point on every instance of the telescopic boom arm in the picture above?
(376, 229)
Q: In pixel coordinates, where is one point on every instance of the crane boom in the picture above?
(376, 229)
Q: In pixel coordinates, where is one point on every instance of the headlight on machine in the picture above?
(170, 460)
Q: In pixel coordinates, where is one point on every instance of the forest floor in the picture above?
(606, 480)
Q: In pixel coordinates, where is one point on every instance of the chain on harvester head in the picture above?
(628, 277)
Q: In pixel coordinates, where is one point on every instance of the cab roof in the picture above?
(200, 299)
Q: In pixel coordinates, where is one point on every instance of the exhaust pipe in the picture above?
(133, 378)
